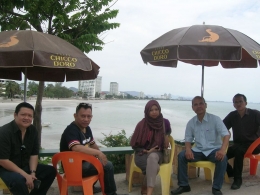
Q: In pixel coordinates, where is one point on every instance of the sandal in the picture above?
(144, 190)
(144, 186)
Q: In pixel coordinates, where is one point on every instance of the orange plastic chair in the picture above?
(164, 172)
(254, 158)
(72, 166)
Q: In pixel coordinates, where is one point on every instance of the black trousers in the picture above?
(17, 183)
(238, 151)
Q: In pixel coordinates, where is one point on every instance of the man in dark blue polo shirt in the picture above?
(245, 124)
(78, 137)
(19, 145)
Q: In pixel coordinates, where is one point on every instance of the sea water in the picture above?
(110, 117)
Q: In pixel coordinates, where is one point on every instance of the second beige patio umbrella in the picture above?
(206, 45)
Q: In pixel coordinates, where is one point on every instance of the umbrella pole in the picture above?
(25, 85)
(202, 80)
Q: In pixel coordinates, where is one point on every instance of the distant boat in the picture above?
(46, 124)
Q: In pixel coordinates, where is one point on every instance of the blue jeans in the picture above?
(17, 183)
(220, 168)
(109, 180)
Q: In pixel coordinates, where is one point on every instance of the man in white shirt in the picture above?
(207, 131)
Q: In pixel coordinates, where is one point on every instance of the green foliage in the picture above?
(82, 23)
(117, 140)
(57, 91)
(97, 95)
(33, 88)
(79, 22)
(12, 88)
(45, 160)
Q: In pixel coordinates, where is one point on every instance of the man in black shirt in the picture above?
(19, 145)
(245, 124)
(78, 137)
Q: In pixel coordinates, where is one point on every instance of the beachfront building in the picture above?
(141, 95)
(113, 88)
(90, 87)
(2, 87)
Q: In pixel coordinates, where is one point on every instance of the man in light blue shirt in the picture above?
(207, 131)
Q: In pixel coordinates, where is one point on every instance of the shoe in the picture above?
(216, 192)
(236, 184)
(96, 190)
(180, 190)
(229, 171)
(144, 190)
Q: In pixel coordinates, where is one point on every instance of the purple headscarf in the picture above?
(149, 132)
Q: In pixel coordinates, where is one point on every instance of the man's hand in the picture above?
(220, 154)
(29, 180)
(189, 154)
(102, 157)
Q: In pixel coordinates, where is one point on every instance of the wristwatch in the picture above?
(33, 171)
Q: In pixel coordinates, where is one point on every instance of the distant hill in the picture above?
(132, 93)
(74, 89)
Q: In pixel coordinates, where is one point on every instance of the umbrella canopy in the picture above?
(42, 57)
(206, 45)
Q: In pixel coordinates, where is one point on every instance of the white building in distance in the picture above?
(141, 95)
(91, 87)
(113, 88)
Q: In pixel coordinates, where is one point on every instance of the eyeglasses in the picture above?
(83, 105)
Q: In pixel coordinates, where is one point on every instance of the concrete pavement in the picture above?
(199, 186)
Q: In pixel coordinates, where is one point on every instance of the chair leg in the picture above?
(171, 184)
(207, 173)
(165, 183)
(130, 180)
(64, 189)
(226, 178)
(253, 166)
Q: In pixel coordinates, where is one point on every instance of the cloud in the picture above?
(145, 20)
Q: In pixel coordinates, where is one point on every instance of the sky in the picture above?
(143, 21)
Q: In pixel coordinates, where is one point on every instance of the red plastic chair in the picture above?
(254, 158)
(72, 166)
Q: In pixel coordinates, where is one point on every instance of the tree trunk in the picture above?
(37, 122)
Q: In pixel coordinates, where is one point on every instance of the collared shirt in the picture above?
(12, 147)
(245, 129)
(72, 136)
(206, 134)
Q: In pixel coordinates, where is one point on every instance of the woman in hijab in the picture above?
(148, 141)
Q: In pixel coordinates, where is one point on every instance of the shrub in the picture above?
(117, 140)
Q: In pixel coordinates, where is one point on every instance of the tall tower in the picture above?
(113, 88)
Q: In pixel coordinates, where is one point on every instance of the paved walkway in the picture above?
(199, 186)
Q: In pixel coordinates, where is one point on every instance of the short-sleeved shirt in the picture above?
(12, 147)
(245, 129)
(206, 134)
(72, 136)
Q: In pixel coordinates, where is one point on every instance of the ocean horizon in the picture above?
(112, 116)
